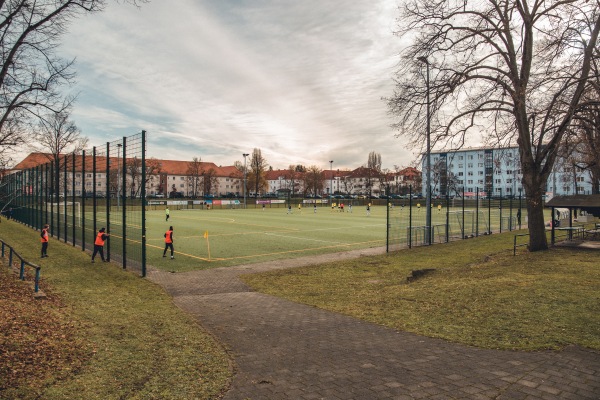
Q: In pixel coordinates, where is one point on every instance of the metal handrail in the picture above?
(520, 245)
(24, 263)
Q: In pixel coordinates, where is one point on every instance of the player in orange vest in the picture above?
(44, 236)
(169, 242)
(99, 244)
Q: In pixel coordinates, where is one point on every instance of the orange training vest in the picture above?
(168, 238)
(99, 241)
(44, 236)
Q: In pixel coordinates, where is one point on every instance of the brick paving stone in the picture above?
(285, 350)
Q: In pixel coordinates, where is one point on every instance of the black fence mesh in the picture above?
(77, 194)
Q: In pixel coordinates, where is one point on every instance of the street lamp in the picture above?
(428, 159)
(119, 145)
(245, 155)
(331, 178)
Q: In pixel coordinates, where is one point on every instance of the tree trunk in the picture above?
(535, 217)
(595, 173)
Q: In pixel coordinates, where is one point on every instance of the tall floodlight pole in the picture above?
(428, 237)
(245, 155)
(331, 178)
(119, 174)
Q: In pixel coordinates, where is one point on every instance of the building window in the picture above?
(460, 157)
(460, 165)
(460, 174)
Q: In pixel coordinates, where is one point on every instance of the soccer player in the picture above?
(44, 236)
(167, 214)
(368, 209)
(300, 208)
(99, 244)
(169, 242)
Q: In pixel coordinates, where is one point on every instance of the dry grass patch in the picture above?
(106, 334)
(479, 294)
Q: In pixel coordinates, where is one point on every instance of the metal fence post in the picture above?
(108, 196)
(124, 204)
(83, 200)
(37, 279)
(410, 216)
(143, 203)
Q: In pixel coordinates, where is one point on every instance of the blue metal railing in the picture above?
(11, 255)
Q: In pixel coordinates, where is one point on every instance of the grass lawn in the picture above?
(248, 236)
(237, 236)
(479, 294)
(100, 334)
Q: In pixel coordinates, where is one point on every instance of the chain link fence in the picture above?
(77, 194)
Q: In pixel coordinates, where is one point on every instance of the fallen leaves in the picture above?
(37, 337)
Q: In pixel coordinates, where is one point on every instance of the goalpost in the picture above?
(71, 207)
(471, 220)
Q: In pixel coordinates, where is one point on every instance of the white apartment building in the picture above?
(497, 171)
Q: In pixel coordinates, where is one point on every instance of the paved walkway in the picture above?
(284, 350)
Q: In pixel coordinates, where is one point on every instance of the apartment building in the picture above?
(163, 177)
(495, 171)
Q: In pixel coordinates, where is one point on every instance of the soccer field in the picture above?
(253, 235)
(210, 238)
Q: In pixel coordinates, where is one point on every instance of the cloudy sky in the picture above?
(301, 80)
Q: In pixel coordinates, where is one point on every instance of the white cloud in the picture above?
(302, 81)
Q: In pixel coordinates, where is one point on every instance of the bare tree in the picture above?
(584, 135)
(374, 161)
(133, 171)
(210, 181)
(292, 177)
(513, 69)
(348, 184)
(57, 135)
(386, 180)
(314, 180)
(195, 176)
(256, 174)
(31, 73)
